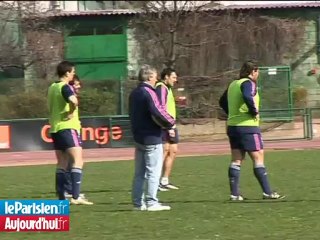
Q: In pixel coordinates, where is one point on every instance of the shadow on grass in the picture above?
(103, 191)
(80, 209)
(52, 195)
(247, 201)
(93, 191)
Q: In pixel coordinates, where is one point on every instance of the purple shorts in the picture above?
(249, 142)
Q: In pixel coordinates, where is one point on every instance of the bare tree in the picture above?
(158, 27)
(29, 40)
(208, 43)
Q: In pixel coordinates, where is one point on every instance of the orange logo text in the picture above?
(101, 135)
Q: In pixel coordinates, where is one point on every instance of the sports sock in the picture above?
(76, 176)
(261, 175)
(60, 183)
(234, 179)
(164, 181)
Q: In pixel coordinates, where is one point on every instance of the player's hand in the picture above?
(68, 117)
(257, 117)
(172, 133)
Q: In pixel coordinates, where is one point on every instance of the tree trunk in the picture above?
(28, 70)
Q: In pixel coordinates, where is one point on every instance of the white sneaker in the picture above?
(158, 207)
(236, 198)
(141, 208)
(81, 195)
(67, 195)
(171, 186)
(273, 195)
(80, 201)
(162, 188)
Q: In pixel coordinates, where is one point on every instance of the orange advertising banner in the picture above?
(5, 137)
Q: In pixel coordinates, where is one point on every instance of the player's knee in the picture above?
(78, 162)
(173, 148)
(173, 155)
(76, 155)
(257, 156)
(236, 162)
(258, 161)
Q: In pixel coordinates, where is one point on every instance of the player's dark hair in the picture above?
(247, 68)
(64, 67)
(167, 72)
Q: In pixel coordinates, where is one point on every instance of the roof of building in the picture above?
(93, 13)
(275, 5)
(208, 7)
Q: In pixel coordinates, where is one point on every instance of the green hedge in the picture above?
(95, 100)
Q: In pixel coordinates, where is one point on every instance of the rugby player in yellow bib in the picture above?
(65, 132)
(170, 137)
(241, 102)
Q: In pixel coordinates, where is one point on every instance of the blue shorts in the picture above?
(248, 142)
(167, 139)
(67, 138)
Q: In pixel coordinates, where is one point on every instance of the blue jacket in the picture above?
(147, 116)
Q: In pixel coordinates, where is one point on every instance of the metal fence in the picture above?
(275, 90)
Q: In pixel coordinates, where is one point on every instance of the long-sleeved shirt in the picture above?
(147, 116)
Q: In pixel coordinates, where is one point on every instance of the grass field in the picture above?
(200, 209)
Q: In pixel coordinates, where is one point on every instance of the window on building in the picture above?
(69, 5)
(107, 30)
(96, 5)
(82, 31)
(96, 30)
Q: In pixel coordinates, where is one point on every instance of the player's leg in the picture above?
(254, 146)
(168, 165)
(166, 148)
(237, 156)
(74, 150)
(60, 178)
(170, 152)
(139, 178)
(60, 173)
(68, 185)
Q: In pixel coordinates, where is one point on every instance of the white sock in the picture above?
(164, 181)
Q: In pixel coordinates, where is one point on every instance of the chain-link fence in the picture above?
(275, 91)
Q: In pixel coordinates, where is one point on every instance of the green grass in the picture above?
(200, 209)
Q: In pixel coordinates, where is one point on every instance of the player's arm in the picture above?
(70, 98)
(223, 101)
(162, 93)
(158, 112)
(248, 92)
